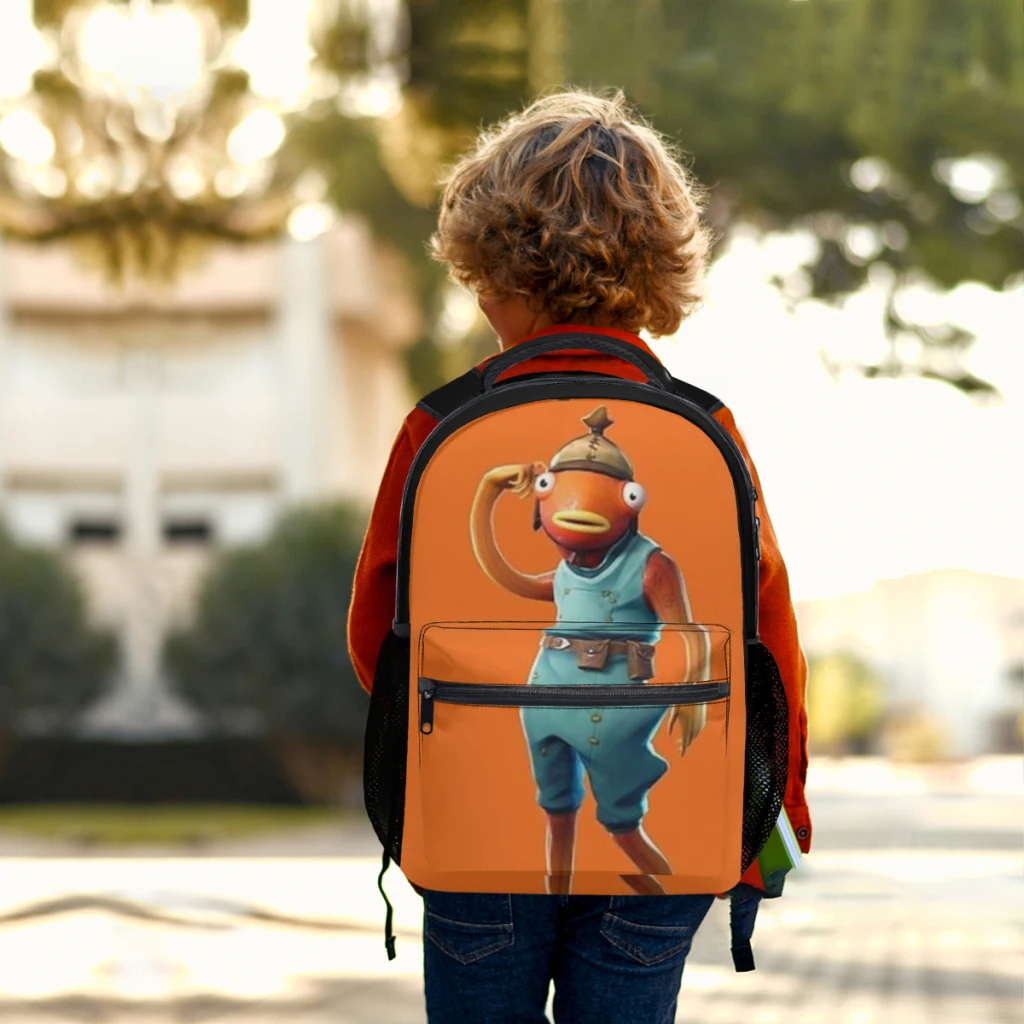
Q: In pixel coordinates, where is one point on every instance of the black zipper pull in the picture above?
(426, 705)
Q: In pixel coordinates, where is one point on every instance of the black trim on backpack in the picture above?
(446, 399)
(766, 754)
(707, 401)
(386, 748)
(572, 341)
(450, 397)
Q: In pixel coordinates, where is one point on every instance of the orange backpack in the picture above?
(573, 697)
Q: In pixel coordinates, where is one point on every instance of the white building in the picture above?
(948, 642)
(143, 430)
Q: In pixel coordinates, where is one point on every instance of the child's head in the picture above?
(579, 211)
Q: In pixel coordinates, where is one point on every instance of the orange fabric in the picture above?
(776, 622)
(472, 788)
(373, 598)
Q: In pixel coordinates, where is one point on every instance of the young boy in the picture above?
(572, 215)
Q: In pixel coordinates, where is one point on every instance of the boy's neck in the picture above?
(515, 320)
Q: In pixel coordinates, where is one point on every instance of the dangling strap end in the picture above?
(743, 957)
(389, 934)
(742, 914)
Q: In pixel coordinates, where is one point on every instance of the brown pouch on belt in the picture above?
(591, 653)
(639, 659)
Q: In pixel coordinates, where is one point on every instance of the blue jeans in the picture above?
(489, 958)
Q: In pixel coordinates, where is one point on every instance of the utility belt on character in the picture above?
(593, 654)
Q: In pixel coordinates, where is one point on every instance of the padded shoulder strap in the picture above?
(704, 399)
(448, 397)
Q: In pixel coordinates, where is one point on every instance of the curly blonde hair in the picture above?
(578, 205)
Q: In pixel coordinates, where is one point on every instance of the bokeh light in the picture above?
(145, 52)
(25, 137)
(256, 137)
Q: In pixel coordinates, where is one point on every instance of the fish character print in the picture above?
(588, 502)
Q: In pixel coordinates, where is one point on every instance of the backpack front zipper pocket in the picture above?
(433, 691)
(520, 724)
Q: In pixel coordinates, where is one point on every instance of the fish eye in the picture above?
(634, 495)
(544, 483)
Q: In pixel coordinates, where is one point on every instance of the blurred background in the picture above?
(216, 306)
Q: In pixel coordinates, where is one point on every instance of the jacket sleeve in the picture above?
(778, 629)
(373, 589)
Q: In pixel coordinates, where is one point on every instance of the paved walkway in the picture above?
(908, 912)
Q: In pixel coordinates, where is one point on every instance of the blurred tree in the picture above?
(267, 647)
(844, 704)
(52, 663)
(893, 130)
(466, 63)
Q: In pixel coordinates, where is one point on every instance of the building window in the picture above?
(94, 530)
(188, 531)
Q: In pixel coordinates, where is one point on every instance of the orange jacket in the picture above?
(373, 594)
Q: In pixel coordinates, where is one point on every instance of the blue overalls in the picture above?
(612, 745)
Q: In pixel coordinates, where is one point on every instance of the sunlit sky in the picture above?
(863, 479)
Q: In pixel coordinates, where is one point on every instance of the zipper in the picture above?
(513, 393)
(524, 696)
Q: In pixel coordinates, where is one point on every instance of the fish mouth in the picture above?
(581, 521)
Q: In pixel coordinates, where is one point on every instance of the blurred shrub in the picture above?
(844, 704)
(914, 735)
(53, 664)
(267, 648)
(1006, 732)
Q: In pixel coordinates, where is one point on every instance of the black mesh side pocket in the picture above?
(767, 753)
(384, 753)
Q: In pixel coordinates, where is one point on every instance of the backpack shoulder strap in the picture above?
(707, 401)
(448, 397)
(444, 400)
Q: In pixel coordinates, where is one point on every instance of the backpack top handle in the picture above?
(656, 374)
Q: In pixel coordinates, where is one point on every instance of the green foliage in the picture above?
(822, 114)
(52, 663)
(347, 152)
(126, 825)
(358, 181)
(269, 633)
(844, 702)
(49, 13)
(470, 58)
(776, 101)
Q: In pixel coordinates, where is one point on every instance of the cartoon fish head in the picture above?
(587, 499)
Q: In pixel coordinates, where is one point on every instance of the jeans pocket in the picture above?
(647, 944)
(468, 926)
(653, 930)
